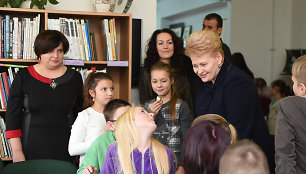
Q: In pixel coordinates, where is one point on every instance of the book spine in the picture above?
(80, 34)
(19, 41)
(85, 45)
(3, 144)
(115, 39)
(2, 36)
(88, 42)
(7, 36)
(6, 83)
(3, 90)
(11, 39)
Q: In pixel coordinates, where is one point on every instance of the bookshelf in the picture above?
(120, 70)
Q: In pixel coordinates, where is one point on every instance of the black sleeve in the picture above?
(78, 106)
(144, 87)
(14, 112)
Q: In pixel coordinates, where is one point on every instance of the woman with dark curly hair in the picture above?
(166, 47)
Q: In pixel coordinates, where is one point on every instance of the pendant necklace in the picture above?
(53, 84)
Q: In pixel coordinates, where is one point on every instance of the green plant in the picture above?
(16, 3)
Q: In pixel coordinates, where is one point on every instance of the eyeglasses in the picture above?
(112, 120)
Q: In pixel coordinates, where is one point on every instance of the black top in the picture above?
(234, 96)
(43, 110)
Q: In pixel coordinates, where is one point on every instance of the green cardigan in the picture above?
(96, 153)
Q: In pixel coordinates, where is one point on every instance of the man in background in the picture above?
(213, 22)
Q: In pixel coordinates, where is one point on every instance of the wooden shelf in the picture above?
(7, 159)
(121, 74)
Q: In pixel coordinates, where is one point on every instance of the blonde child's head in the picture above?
(130, 128)
(243, 157)
(299, 76)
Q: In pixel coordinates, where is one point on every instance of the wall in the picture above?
(262, 30)
(192, 12)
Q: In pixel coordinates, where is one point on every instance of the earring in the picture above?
(93, 99)
(219, 66)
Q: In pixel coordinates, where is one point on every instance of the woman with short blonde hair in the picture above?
(226, 90)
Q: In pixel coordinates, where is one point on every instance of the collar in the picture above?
(226, 66)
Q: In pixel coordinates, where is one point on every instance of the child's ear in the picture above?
(172, 81)
(91, 93)
(303, 89)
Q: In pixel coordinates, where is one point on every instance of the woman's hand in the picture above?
(155, 107)
(18, 156)
(90, 170)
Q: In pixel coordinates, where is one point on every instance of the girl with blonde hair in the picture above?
(135, 150)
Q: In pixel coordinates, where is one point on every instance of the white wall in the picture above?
(298, 24)
(263, 29)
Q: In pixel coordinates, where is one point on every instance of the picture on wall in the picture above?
(187, 31)
(177, 29)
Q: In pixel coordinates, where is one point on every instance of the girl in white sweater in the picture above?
(90, 123)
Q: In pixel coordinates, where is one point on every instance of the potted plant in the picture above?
(38, 3)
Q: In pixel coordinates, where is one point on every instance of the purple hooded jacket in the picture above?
(142, 162)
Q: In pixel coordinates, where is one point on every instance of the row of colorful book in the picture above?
(6, 79)
(5, 146)
(82, 41)
(17, 36)
(111, 39)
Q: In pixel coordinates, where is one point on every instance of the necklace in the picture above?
(53, 84)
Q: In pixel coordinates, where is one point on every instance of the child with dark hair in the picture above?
(279, 89)
(95, 155)
(206, 141)
(90, 123)
(265, 101)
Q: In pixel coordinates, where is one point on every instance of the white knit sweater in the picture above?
(86, 128)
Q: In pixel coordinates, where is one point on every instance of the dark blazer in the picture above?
(290, 138)
(234, 96)
(226, 50)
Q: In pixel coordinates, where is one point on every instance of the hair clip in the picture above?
(226, 124)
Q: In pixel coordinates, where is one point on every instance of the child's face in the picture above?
(161, 82)
(103, 92)
(144, 120)
(117, 114)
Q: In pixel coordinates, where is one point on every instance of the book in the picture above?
(7, 36)
(3, 89)
(6, 83)
(85, 40)
(11, 39)
(88, 41)
(108, 40)
(3, 144)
